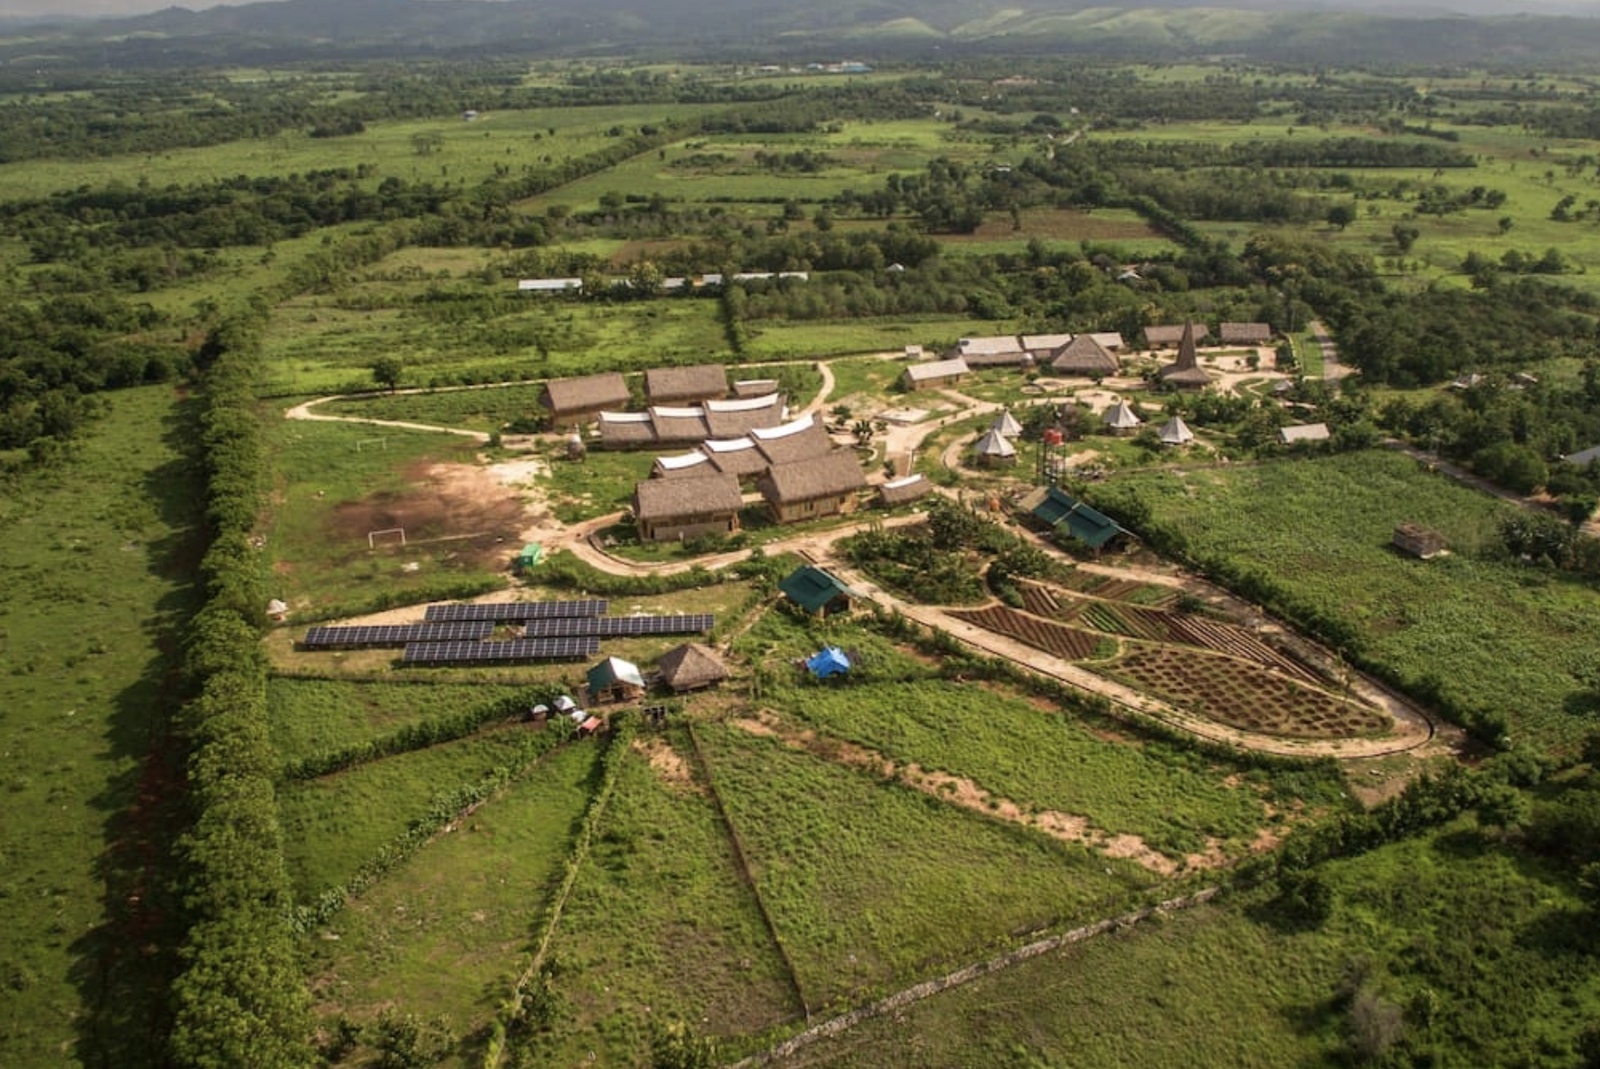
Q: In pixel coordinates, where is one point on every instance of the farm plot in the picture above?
(334, 824)
(994, 745)
(1068, 643)
(443, 937)
(1158, 625)
(665, 920)
(314, 716)
(872, 886)
(1243, 695)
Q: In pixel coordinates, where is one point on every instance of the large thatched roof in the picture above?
(1084, 356)
(663, 385)
(689, 495)
(691, 666)
(586, 393)
(830, 475)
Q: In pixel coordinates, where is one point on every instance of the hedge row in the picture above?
(418, 736)
(446, 808)
(241, 997)
(531, 1003)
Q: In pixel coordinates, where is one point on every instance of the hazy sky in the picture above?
(98, 7)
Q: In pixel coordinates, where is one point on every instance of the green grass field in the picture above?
(1496, 636)
(446, 933)
(95, 571)
(820, 839)
(664, 926)
(1222, 985)
(1041, 760)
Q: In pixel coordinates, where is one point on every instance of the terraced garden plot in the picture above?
(1242, 695)
(1237, 642)
(1068, 643)
(1157, 625)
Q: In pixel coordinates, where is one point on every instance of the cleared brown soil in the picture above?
(459, 502)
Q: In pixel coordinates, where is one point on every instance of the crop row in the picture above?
(1244, 695)
(1068, 643)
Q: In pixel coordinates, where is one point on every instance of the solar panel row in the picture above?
(511, 611)
(520, 649)
(322, 638)
(621, 626)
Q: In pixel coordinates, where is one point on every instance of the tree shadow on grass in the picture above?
(124, 966)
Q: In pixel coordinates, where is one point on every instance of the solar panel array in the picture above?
(327, 638)
(514, 611)
(622, 626)
(519, 649)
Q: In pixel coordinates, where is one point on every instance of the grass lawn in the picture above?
(333, 824)
(95, 574)
(1495, 636)
(318, 716)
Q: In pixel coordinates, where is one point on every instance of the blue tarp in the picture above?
(830, 661)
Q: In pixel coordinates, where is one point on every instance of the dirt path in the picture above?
(303, 411)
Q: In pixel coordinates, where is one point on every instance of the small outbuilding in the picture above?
(903, 491)
(1418, 541)
(1005, 423)
(1303, 434)
(614, 680)
(529, 558)
(691, 666)
(818, 592)
(933, 373)
(828, 662)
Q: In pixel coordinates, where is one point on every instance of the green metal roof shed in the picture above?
(816, 591)
(1093, 528)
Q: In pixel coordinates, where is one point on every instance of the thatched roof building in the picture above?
(1186, 372)
(703, 382)
(687, 507)
(821, 486)
(903, 491)
(692, 666)
(578, 400)
(1084, 356)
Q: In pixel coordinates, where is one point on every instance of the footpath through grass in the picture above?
(95, 582)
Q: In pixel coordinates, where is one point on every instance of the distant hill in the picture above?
(1362, 32)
